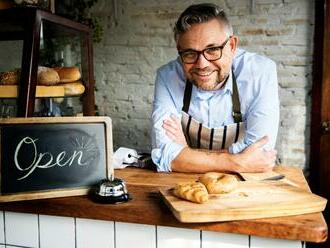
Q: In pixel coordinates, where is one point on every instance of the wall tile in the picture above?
(169, 237)
(135, 235)
(228, 240)
(57, 231)
(21, 229)
(258, 242)
(94, 233)
(2, 228)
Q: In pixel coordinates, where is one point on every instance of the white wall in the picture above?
(44, 231)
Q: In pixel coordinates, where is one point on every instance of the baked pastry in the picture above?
(218, 183)
(10, 77)
(191, 191)
(68, 74)
(74, 88)
(47, 76)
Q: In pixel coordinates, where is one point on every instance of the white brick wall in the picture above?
(138, 39)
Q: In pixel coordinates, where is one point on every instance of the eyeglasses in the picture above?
(190, 56)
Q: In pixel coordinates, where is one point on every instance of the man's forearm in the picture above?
(253, 159)
(200, 161)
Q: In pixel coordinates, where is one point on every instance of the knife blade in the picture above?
(277, 177)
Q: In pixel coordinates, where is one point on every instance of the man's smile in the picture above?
(204, 74)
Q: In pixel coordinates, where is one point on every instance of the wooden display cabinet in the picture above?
(30, 37)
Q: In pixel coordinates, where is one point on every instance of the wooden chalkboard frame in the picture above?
(53, 193)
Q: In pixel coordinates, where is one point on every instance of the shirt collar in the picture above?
(228, 87)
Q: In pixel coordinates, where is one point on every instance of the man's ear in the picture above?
(233, 44)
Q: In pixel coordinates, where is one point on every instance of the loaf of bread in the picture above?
(191, 191)
(10, 77)
(47, 76)
(74, 88)
(68, 74)
(218, 183)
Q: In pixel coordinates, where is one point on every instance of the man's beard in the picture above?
(213, 85)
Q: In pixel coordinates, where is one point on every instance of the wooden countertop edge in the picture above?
(310, 227)
(261, 228)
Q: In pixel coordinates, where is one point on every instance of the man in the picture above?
(216, 107)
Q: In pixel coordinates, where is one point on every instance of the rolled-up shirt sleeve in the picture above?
(262, 114)
(164, 150)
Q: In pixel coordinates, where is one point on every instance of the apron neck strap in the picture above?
(237, 115)
(187, 96)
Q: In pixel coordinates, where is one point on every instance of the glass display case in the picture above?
(46, 66)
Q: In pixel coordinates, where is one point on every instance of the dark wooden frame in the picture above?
(31, 19)
(61, 192)
(319, 171)
(320, 139)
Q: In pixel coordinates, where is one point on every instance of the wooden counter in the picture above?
(147, 208)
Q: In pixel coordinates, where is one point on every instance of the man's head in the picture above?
(206, 45)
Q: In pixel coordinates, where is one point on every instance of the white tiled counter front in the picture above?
(33, 230)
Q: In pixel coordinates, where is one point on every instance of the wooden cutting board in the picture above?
(251, 200)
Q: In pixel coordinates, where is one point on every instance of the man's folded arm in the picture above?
(253, 159)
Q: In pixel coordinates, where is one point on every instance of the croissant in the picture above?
(218, 183)
(192, 191)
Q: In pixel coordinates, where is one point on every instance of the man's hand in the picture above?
(173, 130)
(255, 159)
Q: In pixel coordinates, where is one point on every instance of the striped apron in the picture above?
(199, 136)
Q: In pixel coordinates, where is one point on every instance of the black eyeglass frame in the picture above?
(203, 52)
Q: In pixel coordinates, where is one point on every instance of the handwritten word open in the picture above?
(60, 160)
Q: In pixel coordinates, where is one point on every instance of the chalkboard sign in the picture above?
(52, 157)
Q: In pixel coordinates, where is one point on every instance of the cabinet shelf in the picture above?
(34, 38)
(63, 90)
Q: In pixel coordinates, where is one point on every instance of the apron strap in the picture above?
(187, 96)
(237, 115)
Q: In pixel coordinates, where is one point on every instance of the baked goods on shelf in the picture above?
(47, 76)
(74, 88)
(68, 74)
(9, 77)
(218, 183)
(50, 82)
(191, 191)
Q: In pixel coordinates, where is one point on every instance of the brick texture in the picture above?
(138, 39)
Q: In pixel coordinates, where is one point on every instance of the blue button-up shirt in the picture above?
(258, 92)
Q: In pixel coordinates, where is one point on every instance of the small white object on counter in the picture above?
(124, 157)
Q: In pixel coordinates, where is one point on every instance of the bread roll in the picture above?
(47, 76)
(74, 88)
(193, 191)
(10, 77)
(68, 74)
(218, 183)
